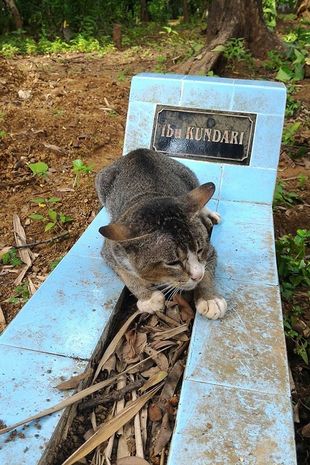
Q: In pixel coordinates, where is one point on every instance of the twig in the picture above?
(138, 435)
(113, 396)
(17, 182)
(33, 244)
(162, 457)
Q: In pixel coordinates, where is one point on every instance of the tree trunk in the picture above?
(144, 15)
(227, 19)
(185, 11)
(11, 6)
(117, 35)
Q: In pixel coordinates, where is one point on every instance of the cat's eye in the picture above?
(174, 263)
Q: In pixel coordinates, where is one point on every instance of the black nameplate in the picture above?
(219, 136)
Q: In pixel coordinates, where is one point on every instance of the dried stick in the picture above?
(113, 396)
(45, 241)
(138, 436)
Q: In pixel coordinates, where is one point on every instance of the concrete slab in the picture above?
(27, 386)
(217, 425)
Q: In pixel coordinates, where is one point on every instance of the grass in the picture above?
(284, 197)
(11, 258)
(294, 275)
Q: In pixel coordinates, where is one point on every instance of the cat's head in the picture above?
(163, 240)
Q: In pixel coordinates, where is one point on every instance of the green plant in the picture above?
(55, 263)
(8, 50)
(21, 294)
(3, 134)
(58, 112)
(121, 76)
(302, 180)
(79, 168)
(289, 133)
(270, 12)
(293, 265)
(235, 49)
(11, 258)
(39, 169)
(42, 202)
(292, 105)
(302, 345)
(283, 197)
(52, 220)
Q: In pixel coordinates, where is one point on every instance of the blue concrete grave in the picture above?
(235, 403)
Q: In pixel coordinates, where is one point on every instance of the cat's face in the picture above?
(178, 261)
(163, 240)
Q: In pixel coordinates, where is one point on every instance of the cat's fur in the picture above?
(158, 238)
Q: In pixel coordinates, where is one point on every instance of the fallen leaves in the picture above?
(2, 320)
(144, 363)
(25, 253)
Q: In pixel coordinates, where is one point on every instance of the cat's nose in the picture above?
(196, 276)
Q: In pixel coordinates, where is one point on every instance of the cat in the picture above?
(158, 241)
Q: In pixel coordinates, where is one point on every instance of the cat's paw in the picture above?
(214, 217)
(209, 217)
(212, 309)
(155, 303)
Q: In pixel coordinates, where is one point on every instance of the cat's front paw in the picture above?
(209, 217)
(212, 309)
(155, 303)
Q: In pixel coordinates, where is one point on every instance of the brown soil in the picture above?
(67, 108)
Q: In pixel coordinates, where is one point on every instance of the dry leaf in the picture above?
(132, 461)
(151, 372)
(110, 364)
(155, 379)
(113, 344)
(306, 431)
(163, 335)
(164, 435)
(137, 425)
(160, 359)
(31, 286)
(155, 413)
(171, 382)
(54, 148)
(134, 346)
(187, 313)
(73, 382)
(2, 320)
(110, 427)
(143, 420)
(163, 344)
(25, 254)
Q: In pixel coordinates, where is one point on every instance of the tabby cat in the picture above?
(158, 241)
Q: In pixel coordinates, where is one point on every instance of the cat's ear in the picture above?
(196, 199)
(116, 232)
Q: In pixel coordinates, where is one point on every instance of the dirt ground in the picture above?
(76, 109)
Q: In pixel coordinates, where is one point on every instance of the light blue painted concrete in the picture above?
(244, 244)
(208, 94)
(247, 184)
(259, 98)
(246, 350)
(235, 404)
(267, 141)
(153, 88)
(139, 125)
(69, 312)
(227, 426)
(208, 172)
(27, 385)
